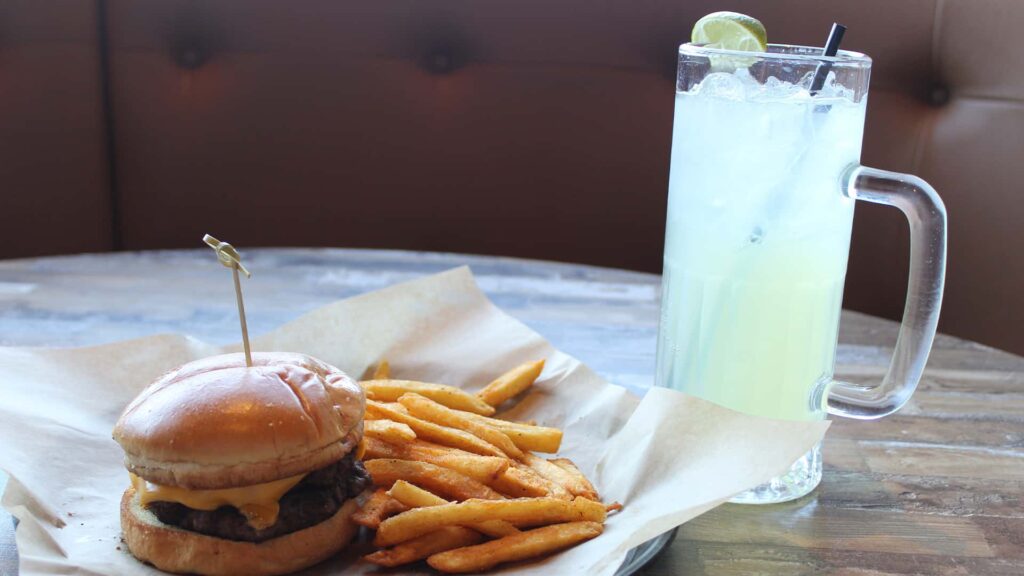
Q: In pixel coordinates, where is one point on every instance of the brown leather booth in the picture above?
(525, 128)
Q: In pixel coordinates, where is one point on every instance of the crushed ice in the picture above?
(740, 85)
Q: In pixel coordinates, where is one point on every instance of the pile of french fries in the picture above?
(462, 489)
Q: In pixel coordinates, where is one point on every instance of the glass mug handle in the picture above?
(927, 216)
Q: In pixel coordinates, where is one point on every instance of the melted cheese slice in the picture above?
(259, 503)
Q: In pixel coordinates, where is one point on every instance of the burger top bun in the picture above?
(215, 423)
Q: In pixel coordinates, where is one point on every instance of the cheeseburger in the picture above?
(242, 470)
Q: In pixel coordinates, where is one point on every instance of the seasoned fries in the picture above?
(463, 489)
(533, 438)
(386, 472)
(511, 383)
(560, 476)
(519, 482)
(415, 497)
(521, 511)
(434, 432)
(427, 545)
(383, 371)
(379, 506)
(554, 489)
(525, 436)
(584, 487)
(521, 546)
(483, 469)
(427, 409)
(397, 407)
(388, 431)
(450, 396)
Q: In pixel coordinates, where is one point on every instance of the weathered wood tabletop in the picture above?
(935, 489)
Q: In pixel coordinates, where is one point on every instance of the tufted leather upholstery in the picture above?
(528, 128)
(53, 170)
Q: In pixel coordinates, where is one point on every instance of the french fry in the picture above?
(521, 511)
(428, 444)
(383, 371)
(495, 528)
(520, 481)
(483, 469)
(397, 406)
(522, 546)
(388, 431)
(386, 472)
(450, 396)
(377, 507)
(534, 438)
(586, 488)
(525, 436)
(415, 497)
(393, 405)
(434, 432)
(560, 476)
(427, 409)
(515, 484)
(511, 383)
(424, 546)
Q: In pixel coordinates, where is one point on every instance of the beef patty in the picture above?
(317, 497)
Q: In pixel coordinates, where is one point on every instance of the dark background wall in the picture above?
(531, 128)
(54, 182)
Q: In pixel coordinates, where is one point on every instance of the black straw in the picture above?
(831, 49)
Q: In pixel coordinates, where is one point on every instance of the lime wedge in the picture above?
(730, 31)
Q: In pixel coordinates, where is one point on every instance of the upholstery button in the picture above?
(190, 53)
(444, 56)
(440, 63)
(938, 95)
(189, 58)
(193, 37)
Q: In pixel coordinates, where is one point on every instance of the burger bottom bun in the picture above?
(174, 550)
(214, 476)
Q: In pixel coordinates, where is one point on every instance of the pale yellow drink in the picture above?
(756, 244)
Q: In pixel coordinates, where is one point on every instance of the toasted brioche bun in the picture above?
(215, 423)
(174, 550)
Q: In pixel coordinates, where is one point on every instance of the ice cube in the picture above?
(775, 89)
(740, 85)
(722, 85)
(807, 80)
(831, 89)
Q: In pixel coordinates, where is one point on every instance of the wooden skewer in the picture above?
(228, 256)
(241, 316)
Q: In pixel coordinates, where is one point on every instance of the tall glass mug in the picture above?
(763, 182)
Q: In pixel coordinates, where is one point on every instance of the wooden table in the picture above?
(935, 489)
